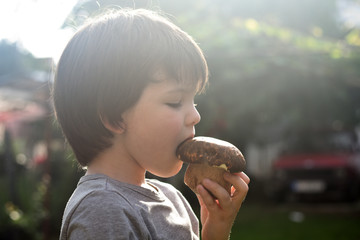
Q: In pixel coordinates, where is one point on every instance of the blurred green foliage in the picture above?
(275, 66)
(34, 193)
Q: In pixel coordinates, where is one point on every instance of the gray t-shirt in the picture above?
(103, 208)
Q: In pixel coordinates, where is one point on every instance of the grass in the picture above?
(319, 221)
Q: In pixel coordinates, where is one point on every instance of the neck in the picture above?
(113, 163)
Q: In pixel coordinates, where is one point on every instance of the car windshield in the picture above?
(321, 143)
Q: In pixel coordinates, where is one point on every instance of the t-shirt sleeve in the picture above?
(106, 215)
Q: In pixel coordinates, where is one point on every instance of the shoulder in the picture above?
(104, 201)
(99, 197)
(101, 213)
(100, 204)
(93, 193)
(105, 210)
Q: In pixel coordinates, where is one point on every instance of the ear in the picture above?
(117, 128)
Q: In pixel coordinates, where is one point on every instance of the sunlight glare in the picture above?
(36, 25)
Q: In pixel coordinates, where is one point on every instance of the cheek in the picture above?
(156, 126)
(171, 126)
(172, 120)
(164, 117)
(164, 134)
(161, 125)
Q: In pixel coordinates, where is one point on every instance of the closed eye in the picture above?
(174, 105)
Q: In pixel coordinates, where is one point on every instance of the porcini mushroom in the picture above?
(209, 158)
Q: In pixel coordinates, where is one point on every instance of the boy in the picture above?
(124, 97)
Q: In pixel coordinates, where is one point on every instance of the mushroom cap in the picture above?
(213, 151)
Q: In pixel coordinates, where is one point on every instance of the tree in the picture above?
(277, 67)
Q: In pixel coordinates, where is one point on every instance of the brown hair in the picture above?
(106, 66)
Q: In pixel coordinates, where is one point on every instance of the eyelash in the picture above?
(177, 105)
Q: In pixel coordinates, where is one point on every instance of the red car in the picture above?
(321, 166)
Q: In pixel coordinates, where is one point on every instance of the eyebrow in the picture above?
(180, 89)
(176, 90)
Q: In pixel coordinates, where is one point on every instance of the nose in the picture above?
(193, 117)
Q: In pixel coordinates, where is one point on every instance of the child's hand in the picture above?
(218, 215)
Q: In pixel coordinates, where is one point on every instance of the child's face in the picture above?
(164, 117)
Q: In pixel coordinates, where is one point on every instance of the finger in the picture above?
(240, 183)
(205, 198)
(234, 178)
(220, 194)
(201, 201)
(243, 176)
(204, 211)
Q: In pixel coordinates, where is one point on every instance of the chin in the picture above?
(170, 172)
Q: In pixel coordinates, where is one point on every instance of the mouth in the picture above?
(177, 149)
